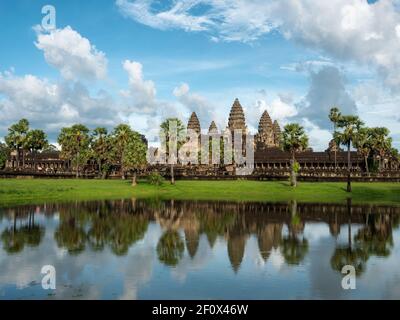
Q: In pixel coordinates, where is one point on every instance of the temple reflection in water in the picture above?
(120, 225)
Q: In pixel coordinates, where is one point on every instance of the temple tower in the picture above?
(194, 123)
(277, 133)
(213, 128)
(236, 118)
(265, 136)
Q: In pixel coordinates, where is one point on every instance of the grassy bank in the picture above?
(25, 191)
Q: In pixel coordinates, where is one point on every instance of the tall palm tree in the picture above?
(294, 141)
(121, 135)
(381, 143)
(75, 142)
(16, 138)
(363, 143)
(167, 128)
(349, 127)
(334, 116)
(101, 148)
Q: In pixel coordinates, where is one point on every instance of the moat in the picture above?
(151, 249)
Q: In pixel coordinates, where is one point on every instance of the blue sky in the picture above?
(140, 61)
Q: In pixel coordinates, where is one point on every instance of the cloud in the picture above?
(140, 106)
(50, 106)
(142, 92)
(358, 31)
(195, 102)
(327, 89)
(73, 55)
(226, 20)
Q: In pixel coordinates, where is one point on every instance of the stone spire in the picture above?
(194, 123)
(265, 124)
(277, 133)
(265, 137)
(213, 128)
(236, 117)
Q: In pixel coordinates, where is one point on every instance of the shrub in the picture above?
(155, 179)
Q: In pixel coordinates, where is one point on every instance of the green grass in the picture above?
(29, 191)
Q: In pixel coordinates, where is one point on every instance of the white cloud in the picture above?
(348, 30)
(142, 92)
(51, 106)
(140, 106)
(177, 16)
(195, 102)
(73, 55)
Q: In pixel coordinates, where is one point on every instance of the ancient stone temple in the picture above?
(236, 118)
(194, 123)
(266, 137)
(213, 128)
(277, 133)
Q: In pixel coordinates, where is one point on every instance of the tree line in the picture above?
(374, 144)
(127, 148)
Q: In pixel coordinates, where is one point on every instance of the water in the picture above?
(137, 249)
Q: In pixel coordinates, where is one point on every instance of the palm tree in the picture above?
(294, 141)
(349, 127)
(167, 129)
(121, 135)
(170, 248)
(75, 142)
(381, 143)
(363, 143)
(101, 148)
(16, 138)
(334, 116)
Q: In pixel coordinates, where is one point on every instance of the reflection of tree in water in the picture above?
(120, 224)
(375, 238)
(346, 255)
(125, 231)
(16, 237)
(108, 224)
(70, 235)
(294, 246)
(170, 248)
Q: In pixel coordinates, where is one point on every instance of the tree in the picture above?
(102, 148)
(135, 155)
(381, 143)
(294, 141)
(293, 247)
(170, 248)
(121, 136)
(4, 153)
(363, 142)
(16, 138)
(35, 141)
(74, 142)
(349, 127)
(334, 116)
(167, 129)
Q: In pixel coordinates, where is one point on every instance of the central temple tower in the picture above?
(237, 120)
